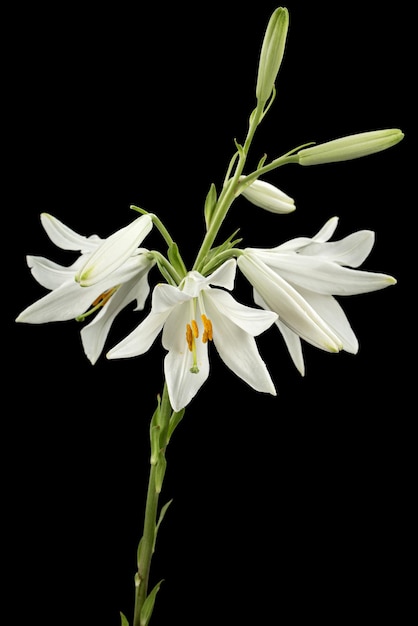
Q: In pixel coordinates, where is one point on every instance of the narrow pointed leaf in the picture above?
(148, 607)
(123, 620)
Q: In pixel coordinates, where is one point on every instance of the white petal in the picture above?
(224, 276)
(284, 300)
(94, 334)
(251, 320)
(291, 339)
(66, 302)
(114, 251)
(50, 274)
(350, 251)
(330, 311)
(141, 339)
(238, 350)
(181, 382)
(66, 238)
(294, 346)
(317, 274)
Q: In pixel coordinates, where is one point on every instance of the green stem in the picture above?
(146, 550)
(227, 195)
(159, 424)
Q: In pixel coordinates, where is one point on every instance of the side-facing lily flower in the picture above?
(68, 299)
(299, 279)
(191, 314)
(268, 197)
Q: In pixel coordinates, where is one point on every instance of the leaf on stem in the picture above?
(175, 420)
(148, 606)
(160, 519)
(123, 620)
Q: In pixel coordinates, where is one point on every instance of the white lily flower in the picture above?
(68, 299)
(189, 316)
(268, 197)
(299, 279)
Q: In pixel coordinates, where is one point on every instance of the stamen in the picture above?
(189, 337)
(98, 302)
(104, 297)
(195, 329)
(208, 330)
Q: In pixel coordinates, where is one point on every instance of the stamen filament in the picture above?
(98, 303)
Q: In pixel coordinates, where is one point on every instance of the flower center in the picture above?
(98, 303)
(192, 333)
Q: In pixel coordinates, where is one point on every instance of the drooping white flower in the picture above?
(268, 197)
(68, 299)
(299, 279)
(189, 316)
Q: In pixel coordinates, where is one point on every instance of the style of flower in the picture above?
(192, 314)
(116, 281)
(299, 279)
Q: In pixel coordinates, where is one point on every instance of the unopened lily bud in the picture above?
(272, 53)
(268, 197)
(350, 147)
(114, 251)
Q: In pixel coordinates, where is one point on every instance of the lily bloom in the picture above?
(299, 279)
(68, 299)
(190, 316)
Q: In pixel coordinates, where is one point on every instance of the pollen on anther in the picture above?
(189, 337)
(208, 332)
(195, 329)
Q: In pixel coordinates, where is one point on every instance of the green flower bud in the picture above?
(350, 147)
(272, 53)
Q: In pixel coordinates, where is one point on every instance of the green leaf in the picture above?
(175, 420)
(176, 260)
(160, 519)
(148, 606)
(123, 620)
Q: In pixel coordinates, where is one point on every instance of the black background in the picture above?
(285, 508)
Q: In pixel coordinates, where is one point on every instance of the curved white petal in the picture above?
(139, 340)
(291, 307)
(114, 251)
(291, 339)
(64, 303)
(323, 276)
(50, 274)
(66, 238)
(238, 350)
(350, 251)
(331, 311)
(94, 334)
(182, 383)
(251, 320)
(224, 276)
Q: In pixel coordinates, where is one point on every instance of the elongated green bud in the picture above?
(350, 147)
(272, 53)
